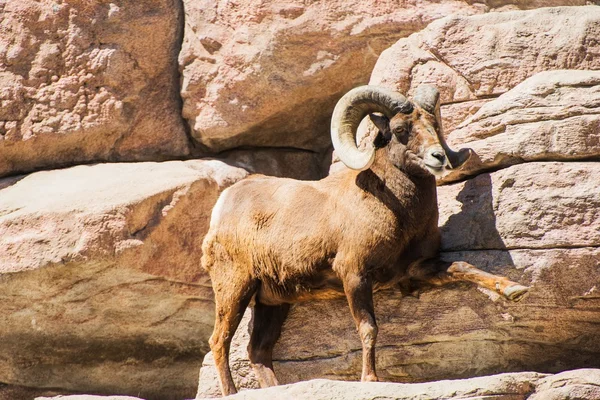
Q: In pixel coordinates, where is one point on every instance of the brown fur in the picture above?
(285, 241)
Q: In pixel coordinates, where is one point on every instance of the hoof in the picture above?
(515, 292)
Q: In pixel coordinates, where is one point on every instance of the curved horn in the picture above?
(348, 113)
(428, 98)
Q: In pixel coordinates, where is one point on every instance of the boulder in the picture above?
(554, 115)
(269, 74)
(535, 223)
(578, 384)
(101, 288)
(81, 83)
(88, 397)
(288, 163)
(474, 58)
(541, 205)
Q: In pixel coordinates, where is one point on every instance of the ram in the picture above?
(371, 225)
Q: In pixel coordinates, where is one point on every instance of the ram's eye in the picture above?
(400, 130)
(403, 129)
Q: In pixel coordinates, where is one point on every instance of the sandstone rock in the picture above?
(446, 333)
(553, 115)
(504, 386)
(88, 397)
(513, 386)
(579, 384)
(533, 205)
(269, 74)
(289, 163)
(11, 392)
(81, 83)
(471, 59)
(101, 289)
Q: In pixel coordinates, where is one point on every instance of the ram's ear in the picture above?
(381, 122)
(383, 125)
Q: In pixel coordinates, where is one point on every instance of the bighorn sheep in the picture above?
(370, 226)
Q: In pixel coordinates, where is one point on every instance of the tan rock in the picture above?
(553, 115)
(288, 163)
(81, 83)
(513, 386)
(493, 387)
(470, 58)
(578, 384)
(11, 392)
(269, 74)
(533, 205)
(447, 333)
(101, 289)
(88, 397)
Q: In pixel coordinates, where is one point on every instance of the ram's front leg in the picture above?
(359, 292)
(461, 271)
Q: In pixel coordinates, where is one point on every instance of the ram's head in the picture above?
(403, 125)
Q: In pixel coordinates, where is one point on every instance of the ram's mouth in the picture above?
(436, 170)
(435, 167)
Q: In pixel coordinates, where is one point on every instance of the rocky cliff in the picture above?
(100, 286)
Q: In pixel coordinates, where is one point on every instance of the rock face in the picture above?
(101, 290)
(88, 397)
(100, 285)
(553, 115)
(578, 384)
(81, 84)
(533, 206)
(269, 74)
(474, 58)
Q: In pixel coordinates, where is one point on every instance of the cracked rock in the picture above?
(101, 288)
(81, 84)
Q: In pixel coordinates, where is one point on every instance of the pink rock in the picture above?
(478, 57)
(101, 289)
(82, 83)
(553, 115)
(269, 74)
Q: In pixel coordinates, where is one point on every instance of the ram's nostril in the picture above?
(439, 155)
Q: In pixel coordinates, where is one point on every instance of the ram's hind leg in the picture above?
(266, 328)
(461, 271)
(232, 295)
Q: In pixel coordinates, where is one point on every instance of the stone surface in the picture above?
(289, 163)
(472, 59)
(505, 386)
(101, 289)
(532, 205)
(554, 115)
(88, 397)
(578, 384)
(269, 74)
(81, 83)
(11, 392)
